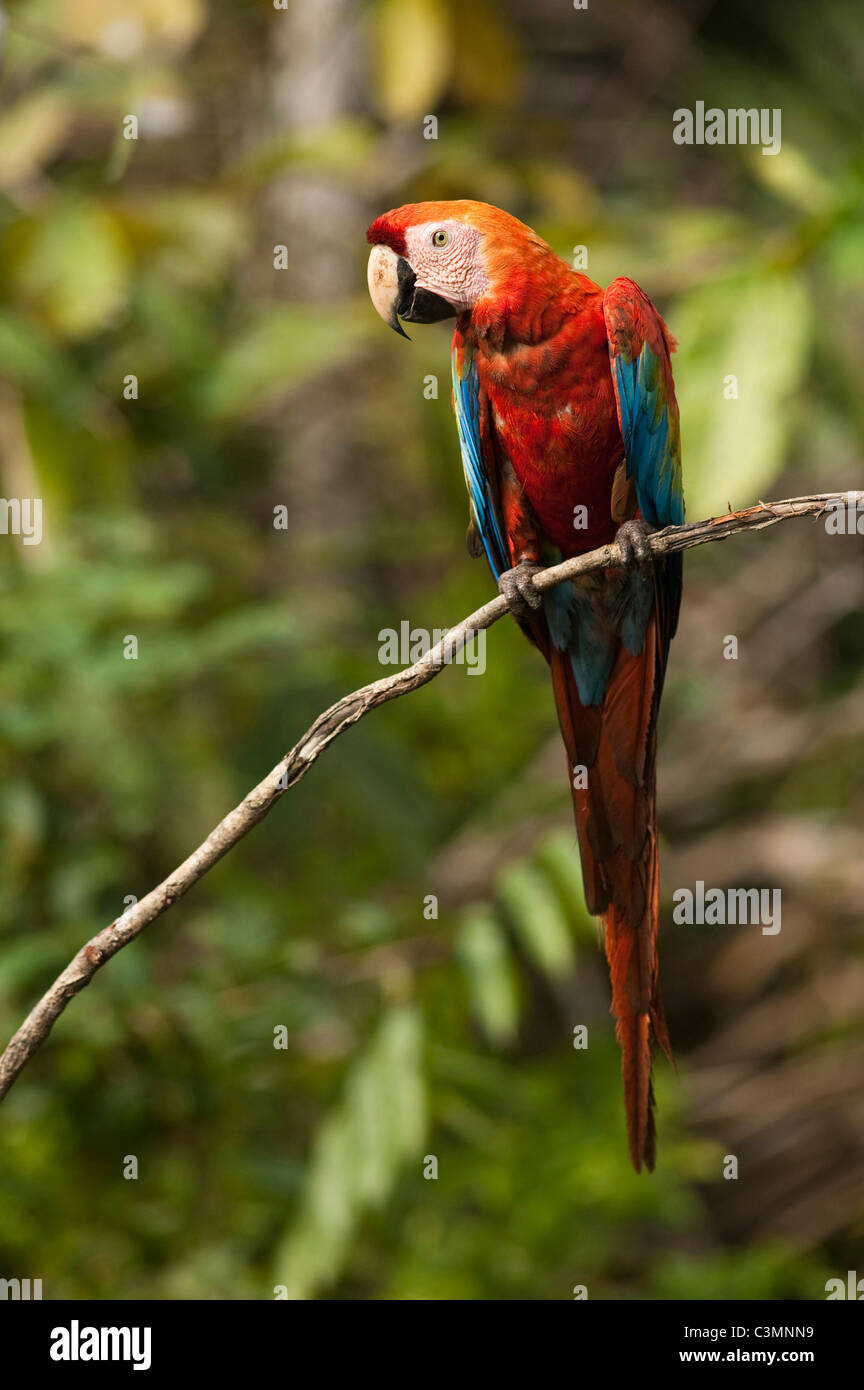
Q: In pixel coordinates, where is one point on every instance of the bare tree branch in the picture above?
(326, 728)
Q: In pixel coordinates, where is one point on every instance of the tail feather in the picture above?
(616, 824)
(631, 953)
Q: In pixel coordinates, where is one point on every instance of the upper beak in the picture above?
(395, 295)
(391, 280)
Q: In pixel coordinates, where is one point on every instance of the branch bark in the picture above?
(327, 728)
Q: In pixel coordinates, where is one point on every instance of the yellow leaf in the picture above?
(413, 51)
(488, 66)
(75, 268)
(124, 31)
(31, 133)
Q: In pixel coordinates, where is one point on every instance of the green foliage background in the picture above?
(405, 1038)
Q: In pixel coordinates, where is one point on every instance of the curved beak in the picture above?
(391, 280)
(395, 295)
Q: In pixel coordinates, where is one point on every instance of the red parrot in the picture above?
(569, 433)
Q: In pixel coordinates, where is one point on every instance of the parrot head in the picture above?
(433, 261)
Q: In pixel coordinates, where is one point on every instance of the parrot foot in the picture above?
(519, 591)
(632, 538)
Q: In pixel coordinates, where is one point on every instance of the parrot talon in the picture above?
(632, 537)
(517, 587)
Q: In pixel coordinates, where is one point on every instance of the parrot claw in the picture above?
(632, 538)
(517, 587)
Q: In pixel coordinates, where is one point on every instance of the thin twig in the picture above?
(326, 728)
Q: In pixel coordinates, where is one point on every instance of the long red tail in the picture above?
(616, 821)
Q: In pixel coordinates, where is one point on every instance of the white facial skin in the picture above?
(447, 260)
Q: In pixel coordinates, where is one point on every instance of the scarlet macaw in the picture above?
(569, 434)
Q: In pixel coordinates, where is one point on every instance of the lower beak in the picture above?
(395, 295)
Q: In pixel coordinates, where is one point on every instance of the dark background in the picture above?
(261, 388)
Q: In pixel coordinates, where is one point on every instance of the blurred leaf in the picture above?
(485, 959)
(558, 854)
(794, 178)
(192, 237)
(107, 25)
(31, 132)
(751, 337)
(75, 268)
(344, 148)
(400, 1046)
(32, 359)
(281, 348)
(488, 64)
(314, 1251)
(358, 1153)
(22, 830)
(537, 919)
(413, 50)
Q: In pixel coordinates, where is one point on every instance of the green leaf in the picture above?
(197, 236)
(751, 338)
(75, 268)
(316, 1247)
(559, 856)
(537, 919)
(400, 1045)
(358, 1153)
(280, 349)
(32, 360)
(485, 959)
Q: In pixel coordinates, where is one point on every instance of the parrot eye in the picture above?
(440, 237)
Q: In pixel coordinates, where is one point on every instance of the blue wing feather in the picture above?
(466, 401)
(647, 410)
(590, 624)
